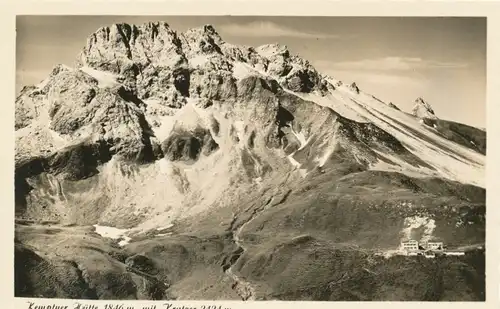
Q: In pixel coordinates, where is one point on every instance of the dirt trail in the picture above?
(241, 286)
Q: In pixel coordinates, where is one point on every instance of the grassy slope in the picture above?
(309, 239)
(462, 134)
(73, 262)
(307, 269)
(330, 225)
(324, 231)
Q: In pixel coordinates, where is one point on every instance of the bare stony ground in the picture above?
(238, 173)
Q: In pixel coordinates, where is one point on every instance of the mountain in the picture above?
(468, 136)
(169, 165)
(422, 109)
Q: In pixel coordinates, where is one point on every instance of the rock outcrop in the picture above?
(422, 109)
(394, 106)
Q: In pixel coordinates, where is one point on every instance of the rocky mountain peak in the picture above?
(203, 40)
(270, 50)
(420, 100)
(393, 105)
(117, 46)
(142, 53)
(210, 30)
(422, 109)
(354, 87)
(140, 76)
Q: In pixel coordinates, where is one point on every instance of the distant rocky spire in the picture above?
(354, 87)
(393, 106)
(422, 109)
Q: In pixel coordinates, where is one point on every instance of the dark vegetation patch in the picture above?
(459, 133)
(37, 277)
(105, 273)
(307, 269)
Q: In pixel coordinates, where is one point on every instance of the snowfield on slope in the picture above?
(104, 79)
(113, 233)
(451, 160)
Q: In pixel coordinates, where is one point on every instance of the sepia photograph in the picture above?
(250, 158)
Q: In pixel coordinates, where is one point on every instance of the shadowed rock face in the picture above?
(278, 138)
(258, 89)
(142, 263)
(299, 82)
(75, 162)
(181, 82)
(79, 161)
(241, 175)
(186, 146)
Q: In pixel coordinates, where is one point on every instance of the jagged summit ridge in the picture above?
(422, 109)
(132, 50)
(146, 77)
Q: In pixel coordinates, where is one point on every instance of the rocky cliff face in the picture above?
(422, 109)
(157, 130)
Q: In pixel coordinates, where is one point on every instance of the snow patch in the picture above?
(452, 160)
(293, 161)
(334, 101)
(199, 60)
(454, 253)
(125, 241)
(241, 71)
(270, 50)
(303, 143)
(322, 160)
(165, 227)
(161, 131)
(301, 137)
(258, 181)
(400, 166)
(104, 79)
(416, 222)
(164, 165)
(163, 234)
(113, 233)
(188, 117)
(239, 126)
